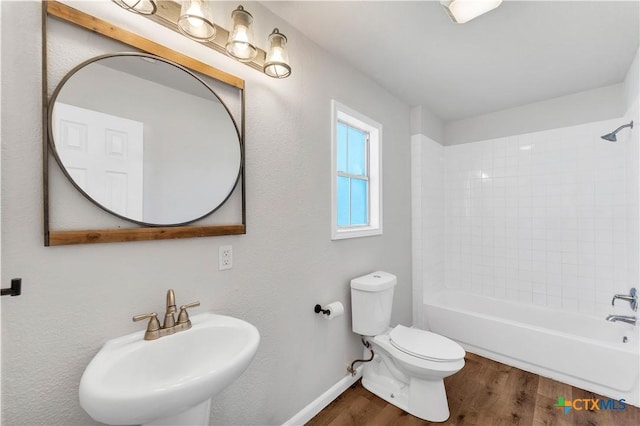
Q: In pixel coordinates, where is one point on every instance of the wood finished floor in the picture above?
(483, 393)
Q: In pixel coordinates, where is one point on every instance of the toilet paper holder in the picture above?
(329, 311)
(318, 308)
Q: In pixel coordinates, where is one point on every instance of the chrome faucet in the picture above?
(170, 326)
(632, 298)
(623, 318)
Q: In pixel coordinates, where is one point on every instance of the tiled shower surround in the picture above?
(547, 218)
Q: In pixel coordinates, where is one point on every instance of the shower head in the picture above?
(612, 136)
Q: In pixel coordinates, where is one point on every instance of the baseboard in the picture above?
(308, 412)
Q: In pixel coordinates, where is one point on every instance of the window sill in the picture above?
(368, 231)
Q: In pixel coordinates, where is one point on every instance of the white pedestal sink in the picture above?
(169, 380)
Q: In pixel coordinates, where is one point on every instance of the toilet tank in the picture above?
(371, 302)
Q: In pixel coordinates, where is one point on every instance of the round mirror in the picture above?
(145, 139)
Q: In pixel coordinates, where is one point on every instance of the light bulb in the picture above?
(194, 13)
(240, 47)
(241, 34)
(196, 21)
(277, 55)
(277, 61)
(240, 43)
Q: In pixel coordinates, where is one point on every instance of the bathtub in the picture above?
(583, 351)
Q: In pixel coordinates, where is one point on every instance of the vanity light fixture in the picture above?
(142, 7)
(196, 20)
(276, 64)
(241, 44)
(461, 11)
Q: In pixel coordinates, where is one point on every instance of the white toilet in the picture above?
(409, 364)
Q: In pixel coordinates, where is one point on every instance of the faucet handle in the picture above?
(154, 324)
(152, 328)
(632, 298)
(183, 316)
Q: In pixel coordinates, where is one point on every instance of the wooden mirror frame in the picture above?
(142, 233)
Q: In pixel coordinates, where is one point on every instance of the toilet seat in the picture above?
(425, 345)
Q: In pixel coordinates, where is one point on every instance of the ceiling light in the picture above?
(277, 61)
(196, 20)
(241, 44)
(461, 11)
(142, 7)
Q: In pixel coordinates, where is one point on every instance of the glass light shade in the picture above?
(277, 61)
(196, 20)
(142, 7)
(241, 43)
(461, 11)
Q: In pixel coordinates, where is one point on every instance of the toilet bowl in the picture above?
(409, 364)
(409, 379)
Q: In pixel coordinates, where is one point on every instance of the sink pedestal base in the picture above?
(198, 415)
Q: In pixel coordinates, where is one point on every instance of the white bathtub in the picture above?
(580, 350)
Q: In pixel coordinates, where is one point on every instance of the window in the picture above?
(356, 187)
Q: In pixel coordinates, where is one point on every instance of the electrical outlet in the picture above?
(225, 258)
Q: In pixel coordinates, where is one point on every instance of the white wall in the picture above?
(427, 170)
(76, 297)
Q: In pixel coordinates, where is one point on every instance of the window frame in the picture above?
(373, 163)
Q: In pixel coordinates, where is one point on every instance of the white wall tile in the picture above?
(548, 218)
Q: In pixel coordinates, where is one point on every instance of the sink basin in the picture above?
(136, 381)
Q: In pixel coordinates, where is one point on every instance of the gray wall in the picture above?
(579, 108)
(632, 82)
(76, 297)
(598, 104)
(424, 122)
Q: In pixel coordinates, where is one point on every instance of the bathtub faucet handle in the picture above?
(632, 298)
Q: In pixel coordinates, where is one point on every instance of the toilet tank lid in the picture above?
(375, 281)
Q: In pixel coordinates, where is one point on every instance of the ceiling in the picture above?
(519, 53)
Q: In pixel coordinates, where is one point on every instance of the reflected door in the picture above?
(103, 155)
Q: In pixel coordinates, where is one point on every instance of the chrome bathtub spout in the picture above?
(622, 318)
(632, 298)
